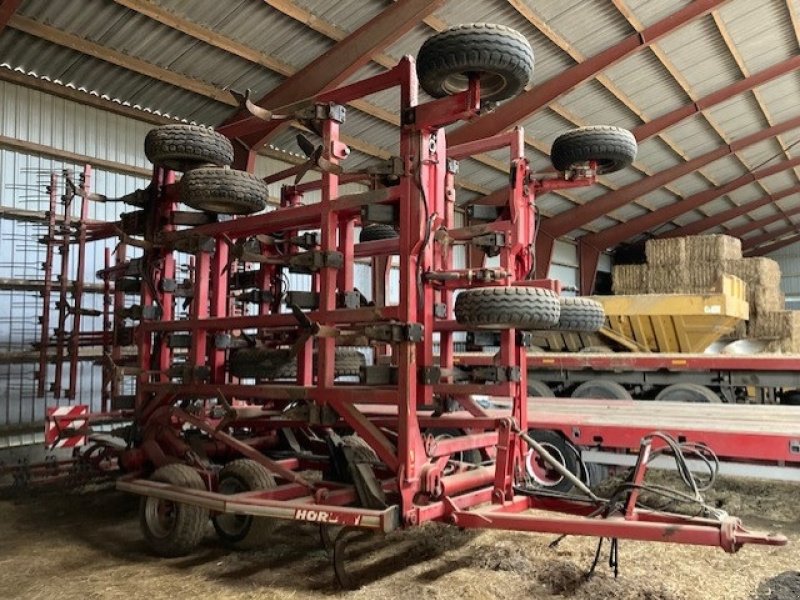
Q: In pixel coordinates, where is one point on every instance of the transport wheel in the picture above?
(172, 528)
(243, 531)
(500, 56)
(580, 314)
(223, 191)
(269, 363)
(688, 392)
(539, 389)
(594, 474)
(613, 148)
(602, 389)
(186, 147)
(542, 473)
(503, 307)
(377, 231)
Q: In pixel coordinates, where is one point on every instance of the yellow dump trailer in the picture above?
(670, 323)
(675, 322)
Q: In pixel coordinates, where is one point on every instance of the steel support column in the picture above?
(588, 260)
(514, 111)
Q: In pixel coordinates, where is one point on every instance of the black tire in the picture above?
(186, 147)
(688, 392)
(362, 451)
(580, 314)
(613, 148)
(223, 191)
(543, 475)
(601, 389)
(500, 56)
(267, 363)
(171, 528)
(538, 389)
(243, 531)
(791, 399)
(503, 307)
(377, 231)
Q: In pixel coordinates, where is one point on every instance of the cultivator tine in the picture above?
(259, 112)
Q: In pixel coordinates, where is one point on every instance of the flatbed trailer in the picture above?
(761, 379)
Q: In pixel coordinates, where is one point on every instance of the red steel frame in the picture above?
(395, 420)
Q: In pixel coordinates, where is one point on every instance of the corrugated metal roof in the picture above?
(642, 76)
(578, 23)
(760, 29)
(764, 40)
(700, 54)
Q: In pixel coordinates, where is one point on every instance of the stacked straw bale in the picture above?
(694, 265)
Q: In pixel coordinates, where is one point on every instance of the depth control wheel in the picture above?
(503, 307)
(612, 148)
(243, 531)
(501, 57)
(172, 528)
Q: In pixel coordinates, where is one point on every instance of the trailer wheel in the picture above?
(580, 314)
(223, 191)
(602, 389)
(243, 531)
(559, 448)
(538, 389)
(500, 56)
(172, 528)
(791, 399)
(612, 148)
(269, 363)
(503, 307)
(688, 392)
(377, 231)
(186, 147)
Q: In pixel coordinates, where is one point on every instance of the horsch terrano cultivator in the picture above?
(259, 404)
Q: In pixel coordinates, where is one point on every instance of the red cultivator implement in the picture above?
(258, 406)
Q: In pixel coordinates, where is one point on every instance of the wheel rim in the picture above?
(160, 517)
(541, 471)
(230, 524)
(491, 83)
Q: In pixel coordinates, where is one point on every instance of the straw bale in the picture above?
(667, 280)
(664, 252)
(755, 272)
(629, 279)
(702, 248)
(765, 299)
(702, 277)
